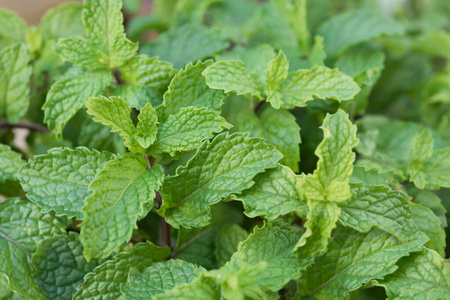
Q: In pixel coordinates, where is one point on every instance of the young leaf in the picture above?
(317, 54)
(137, 96)
(14, 76)
(68, 95)
(147, 127)
(115, 113)
(318, 82)
(58, 181)
(189, 88)
(159, 278)
(276, 73)
(60, 266)
(276, 192)
(187, 129)
(17, 246)
(356, 258)
(232, 76)
(197, 290)
(10, 163)
(420, 152)
(184, 44)
(227, 241)
(222, 167)
(12, 28)
(105, 281)
(106, 45)
(122, 193)
(417, 273)
(62, 21)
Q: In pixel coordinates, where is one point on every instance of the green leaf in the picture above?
(114, 112)
(22, 226)
(318, 82)
(189, 88)
(107, 279)
(212, 177)
(433, 202)
(10, 163)
(147, 128)
(232, 76)
(429, 224)
(149, 72)
(198, 291)
(12, 28)
(227, 241)
(351, 28)
(60, 266)
(106, 45)
(271, 244)
(14, 76)
(423, 275)
(276, 73)
(381, 207)
(276, 192)
(67, 96)
(58, 181)
(137, 96)
(122, 192)
(62, 21)
(181, 45)
(187, 129)
(317, 54)
(352, 260)
(159, 278)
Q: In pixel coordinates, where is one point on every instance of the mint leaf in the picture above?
(227, 241)
(105, 281)
(10, 163)
(356, 258)
(232, 76)
(58, 181)
(184, 44)
(214, 178)
(159, 278)
(351, 28)
(67, 96)
(198, 291)
(137, 96)
(318, 82)
(60, 266)
(106, 45)
(14, 76)
(17, 246)
(12, 28)
(419, 272)
(317, 54)
(276, 73)
(189, 88)
(62, 21)
(122, 193)
(147, 127)
(276, 192)
(187, 129)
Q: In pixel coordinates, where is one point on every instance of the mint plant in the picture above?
(281, 149)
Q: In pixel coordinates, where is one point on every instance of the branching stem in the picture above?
(30, 126)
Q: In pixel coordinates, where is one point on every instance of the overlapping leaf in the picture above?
(10, 163)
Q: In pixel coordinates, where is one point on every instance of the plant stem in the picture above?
(119, 79)
(30, 126)
(258, 106)
(165, 228)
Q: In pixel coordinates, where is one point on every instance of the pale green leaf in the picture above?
(67, 96)
(80, 53)
(122, 192)
(276, 192)
(433, 202)
(184, 44)
(197, 291)
(276, 73)
(62, 21)
(353, 259)
(22, 226)
(60, 266)
(227, 241)
(10, 163)
(277, 127)
(189, 88)
(12, 27)
(14, 76)
(58, 181)
(147, 127)
(361, 63)
(318, 82)
(114, 112)
(105, 281)
(420, 151)
(222, 167)
(436, 172)
(187, 129)
(271, 244)
(354, 27)
(159, 278)
(137, 96)
(232, 76)
(429, 224)
(317, 54)
(149, 72)
(424, 275)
